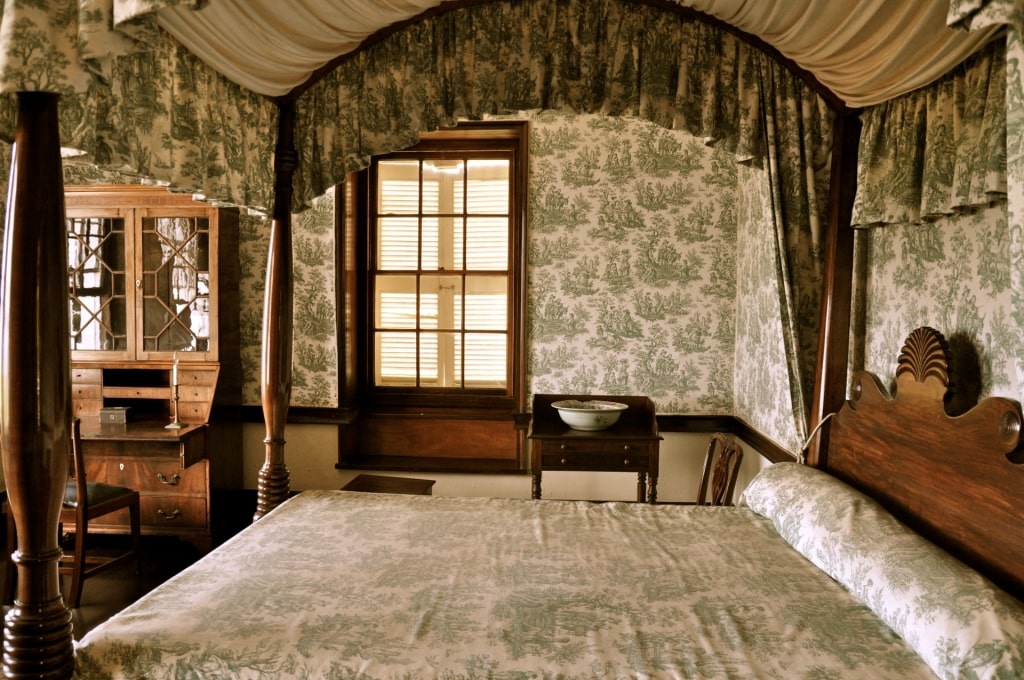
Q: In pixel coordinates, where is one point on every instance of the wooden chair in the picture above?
(721, 467)
(99, 500)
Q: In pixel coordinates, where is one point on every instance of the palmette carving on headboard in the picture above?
(925, 355)
(956, 479)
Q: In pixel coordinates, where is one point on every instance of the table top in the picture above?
(636, 422)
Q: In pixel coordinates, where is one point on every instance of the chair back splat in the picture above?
(721, 467)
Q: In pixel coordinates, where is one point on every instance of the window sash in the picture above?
(441, 279)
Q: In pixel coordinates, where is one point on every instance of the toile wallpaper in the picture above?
(952, 275)
(632, 263)
(631, 270)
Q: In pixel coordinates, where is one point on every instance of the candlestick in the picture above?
(174, 424)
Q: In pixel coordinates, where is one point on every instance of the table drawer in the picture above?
(636, 460)
(159, 475)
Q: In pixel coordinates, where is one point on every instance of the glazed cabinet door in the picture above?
(176, 284)
(102, 311)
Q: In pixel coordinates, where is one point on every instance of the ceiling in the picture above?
(864, 51)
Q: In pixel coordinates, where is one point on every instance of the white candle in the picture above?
(174, 370)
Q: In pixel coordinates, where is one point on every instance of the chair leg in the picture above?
(136, 529)
(77, 570)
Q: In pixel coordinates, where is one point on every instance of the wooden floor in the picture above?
(162, 557)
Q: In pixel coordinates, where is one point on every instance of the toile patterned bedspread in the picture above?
(337, 584)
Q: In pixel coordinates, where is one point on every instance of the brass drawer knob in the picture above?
(564, 461)
(626, 462)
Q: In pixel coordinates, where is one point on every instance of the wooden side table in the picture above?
(384, 484)
(630, 445)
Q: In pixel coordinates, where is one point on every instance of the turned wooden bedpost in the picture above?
(276, 363)
(35, 393)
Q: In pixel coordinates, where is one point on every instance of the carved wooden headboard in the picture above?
(958, 480)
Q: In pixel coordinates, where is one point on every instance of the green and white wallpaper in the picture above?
(631, 245)
(314, 340)
(632, 263)
(952, 275)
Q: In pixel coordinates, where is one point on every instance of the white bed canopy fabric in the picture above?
(866, 51)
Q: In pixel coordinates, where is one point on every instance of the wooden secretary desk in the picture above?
(153, 294)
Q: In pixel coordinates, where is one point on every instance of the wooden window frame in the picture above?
(434, 429)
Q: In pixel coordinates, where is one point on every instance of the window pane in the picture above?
(487, 243)
(430, 245)
(396, 358)
(488, 187)
(485, 360)
(486, 303)
(444, 176)
(395, 302)
(399, 187)
(429, 305)
(429, 369)
(441, 301)
(398, 243)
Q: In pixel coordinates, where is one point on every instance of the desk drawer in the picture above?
(173, 512)
(636, 459)
(159, 475)
(162, 514)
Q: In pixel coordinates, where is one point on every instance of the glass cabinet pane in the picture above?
(175, 284)
(97, 283)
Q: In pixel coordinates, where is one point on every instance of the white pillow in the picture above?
(961, 624)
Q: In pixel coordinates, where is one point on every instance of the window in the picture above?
(440, 272)
(441, 269)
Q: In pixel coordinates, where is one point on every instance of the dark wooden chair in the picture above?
(84, 501)
(721, 467)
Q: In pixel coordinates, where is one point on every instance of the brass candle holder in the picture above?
(175, 424)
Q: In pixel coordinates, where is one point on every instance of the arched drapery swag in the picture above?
(598, 56)
(936, 151)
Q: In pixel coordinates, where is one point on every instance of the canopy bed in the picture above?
(76, 105)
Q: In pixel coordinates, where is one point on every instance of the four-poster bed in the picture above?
(35, 410)
(807, 576)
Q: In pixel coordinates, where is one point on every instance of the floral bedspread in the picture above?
(337, 584)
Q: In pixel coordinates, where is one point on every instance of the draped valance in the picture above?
(936, 151)
(597, 56)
